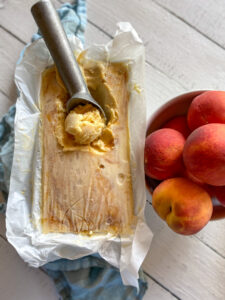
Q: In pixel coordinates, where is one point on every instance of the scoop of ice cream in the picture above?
(85, 123)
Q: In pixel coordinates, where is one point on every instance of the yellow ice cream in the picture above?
(104, 82)
(87, 188)
(85, 123)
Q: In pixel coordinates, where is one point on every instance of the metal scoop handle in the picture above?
(56, 40)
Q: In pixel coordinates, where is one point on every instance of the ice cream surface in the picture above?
(90, 133)
(87, 188)
(85, 123)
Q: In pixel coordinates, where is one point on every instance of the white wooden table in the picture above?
(185, 50)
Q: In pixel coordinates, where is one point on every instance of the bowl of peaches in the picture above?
(185, 160)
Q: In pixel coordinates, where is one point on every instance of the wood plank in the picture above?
(213, 236)
(10, 49)
(16, 17)
(94, 36)
(153, 220)
(156, 292)
(2, 226)
(158, 88)
(19, 12)
(189, 268)
(174, 47)
(207, 17)
(18, 281)
(5, 103)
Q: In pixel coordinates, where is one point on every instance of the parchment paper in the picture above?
(23, 209)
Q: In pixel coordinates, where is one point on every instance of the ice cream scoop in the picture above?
(56, 40)
(85, 123)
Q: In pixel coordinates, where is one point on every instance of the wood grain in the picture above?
(5, 103)
(213, 236)
(15, 17)
(207, 17)
(20, 282)
(156, 292)
(9, 54)
(158, 88)
(190, 269)
(153, 220)
(2, 227)
(174, 47)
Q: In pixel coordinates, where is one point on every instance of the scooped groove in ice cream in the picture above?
(85, 123)
(104, 81)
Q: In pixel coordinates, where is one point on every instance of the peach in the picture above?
(208, 107)
(163, 153)
(180, 124)
(204, 154)
(185, 206)
(185, 173)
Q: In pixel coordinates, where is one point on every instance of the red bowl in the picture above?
(177, 106)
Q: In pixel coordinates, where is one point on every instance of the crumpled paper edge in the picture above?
(126, 253)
